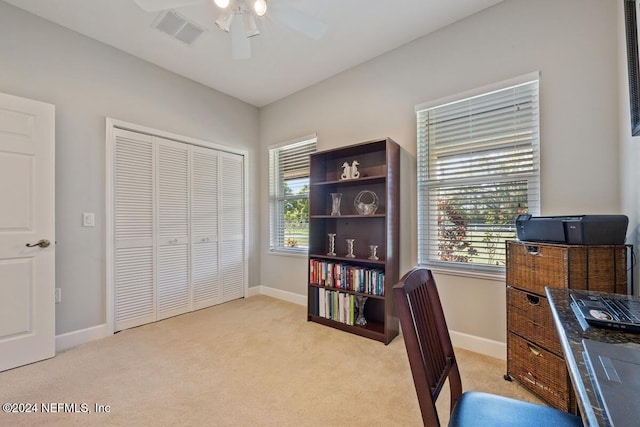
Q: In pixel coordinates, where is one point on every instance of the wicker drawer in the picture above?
(540, 371)
(529, 316)
(607, 270)
(532, 266)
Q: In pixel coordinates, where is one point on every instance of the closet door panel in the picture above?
(134, 287)
(232, 258)
(205, 277)
(172, 228)
(133, 230)
(232, 266)
(173, 281)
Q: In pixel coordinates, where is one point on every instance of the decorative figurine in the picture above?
(350, 172)
(355, 173)
(346, 171)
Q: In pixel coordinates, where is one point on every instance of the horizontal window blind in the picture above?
(478, 168)
(289, 195)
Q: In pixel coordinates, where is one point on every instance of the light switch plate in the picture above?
(88, 219)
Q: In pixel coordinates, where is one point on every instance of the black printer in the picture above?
(573, 230)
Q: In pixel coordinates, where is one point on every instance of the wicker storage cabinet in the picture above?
(534, 355)
(541, 371)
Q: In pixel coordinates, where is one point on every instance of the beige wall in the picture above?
(573, 43)
(88, 81)
(629, 145)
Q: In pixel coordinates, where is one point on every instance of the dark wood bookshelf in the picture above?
(379, 168)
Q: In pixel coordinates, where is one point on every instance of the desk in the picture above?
(571, 334)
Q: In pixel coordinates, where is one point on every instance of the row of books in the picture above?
(334, 305)
(345, 276)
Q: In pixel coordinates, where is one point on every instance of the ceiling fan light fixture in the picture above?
(250, 26)
(222, 4)
(260, 7)
(224, 21)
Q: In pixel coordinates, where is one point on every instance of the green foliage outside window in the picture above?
(473, 227)
(296, 216)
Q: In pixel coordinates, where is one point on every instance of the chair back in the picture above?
(427, 340)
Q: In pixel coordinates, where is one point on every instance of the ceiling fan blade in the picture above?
(157, 5)
(298, 21)
(240, 45)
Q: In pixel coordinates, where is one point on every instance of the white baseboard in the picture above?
(480, 345)
(72, 339)
(468, 342)
(279, 294)
(75, 338)
(473, 343)
(253, 291)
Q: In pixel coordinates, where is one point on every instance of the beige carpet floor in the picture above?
(251, 362)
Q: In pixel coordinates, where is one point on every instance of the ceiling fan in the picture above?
(238, 17)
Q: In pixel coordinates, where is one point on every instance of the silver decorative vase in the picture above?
(335, 203)
(360, 302)
(350, 248)
(332, 244)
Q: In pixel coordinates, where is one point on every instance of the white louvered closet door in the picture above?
(133, 230)
(205, 277)
(178, 219)
(232, 263)
(173, 290)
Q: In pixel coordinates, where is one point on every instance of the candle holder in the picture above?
(332, 244)
(374, 252)
(350, 248)
(335, 203)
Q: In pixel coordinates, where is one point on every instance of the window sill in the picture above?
(484, 275)
(293, 254)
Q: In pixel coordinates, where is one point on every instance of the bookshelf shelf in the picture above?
(343, 217)
(359, 181)
(355, 261)
(338, 283)
(348, 291)
(373, 330)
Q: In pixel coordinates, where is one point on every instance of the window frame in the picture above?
(428, 240)
(277, 196)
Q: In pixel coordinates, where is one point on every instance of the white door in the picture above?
(173, 228)
(27, 216)
(205, 276)
(133, 229)
(232, 260)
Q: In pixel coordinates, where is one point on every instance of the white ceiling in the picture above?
(282, 61)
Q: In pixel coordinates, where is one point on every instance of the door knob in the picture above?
(43, 243)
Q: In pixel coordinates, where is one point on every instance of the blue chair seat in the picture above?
(476, 408)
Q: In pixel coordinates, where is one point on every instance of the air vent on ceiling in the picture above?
(178, 27)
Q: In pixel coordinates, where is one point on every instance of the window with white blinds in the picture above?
(289, 194)
(478, 168)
